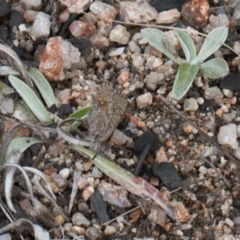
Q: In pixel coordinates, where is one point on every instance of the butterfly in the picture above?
(108, 110)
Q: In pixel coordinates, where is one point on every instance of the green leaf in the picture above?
(214, 68)
(79, 114)
(184, 79)
(187, 45)
(155, 38)
(43, 86)
(21, 144)
(30, 98)
(213, 41)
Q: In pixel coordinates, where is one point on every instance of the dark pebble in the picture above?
(168, 174)
(83, 44)
(145, 139)
(3, 33)
(16, 18)
(231, 82)
(99, 206)
(164, 5)
(65, 109)
(4, 8)
(53, 109)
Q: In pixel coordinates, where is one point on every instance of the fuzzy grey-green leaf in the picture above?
(187, 45)
(43, 86)
(30, 98)
(213, 41)
(155, 38)
(214, 68)
(184, 79)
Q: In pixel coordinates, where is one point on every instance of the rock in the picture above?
(120, 35)
(3, 32)
(164, 5)
(115, 195)
(118, 137)
(5, 236)
(65, 172)
(92, 233)
(227, 136)
(41, 26)
(168, 174)
(96, 173)
(134, 47)
(57, 56)
(137, 12)
(100, 41)
(30, 15)
(157, 216)
(87, 193)
(231, 82)
(138, 61)
(99, 206)
(219, 20)
(64, 94)
(190, 104)
(153, 80)
(82, 29)
(144, 100)
(109, 230)
(7, 105)
(59, 180)
(116, 52)
(4, 8)
(212, 93)
(16, 18)
(168, 17)
(79, 219)
(104, 11)
(32, 3)
(153, 62)
(77, 6)
(195, 13)
(123, 77)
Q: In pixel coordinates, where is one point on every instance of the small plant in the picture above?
(194, 63)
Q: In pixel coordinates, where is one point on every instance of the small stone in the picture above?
(212, 93)
(32, 3)
(65, 172)
(57, 56)
(168, 17)
(153, 62)
(134, 47)
(229, 222)
(77, 6)
(77, 230)
(144, 100)
(237, 220)
(79, 219)
(137, 12)
(64, 16)
(41, 26)
(63, 94)
(118, 138)
(96, 173)
(7, 105)
(59, 219)
(109, 230)
(30, 15)
(59, 180)
(123, 77)
(116, 52)
(82, 29)
(228, 93)
(153, 80)
(138, 61)
(67, 227)
(227, 136)
(157, 216)
(104, 11)
(82, 182)
(120, 35)
(115, 195)
(195, 13)
(190, 104)
(100, 41)
(87, 193)
(92, 233)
